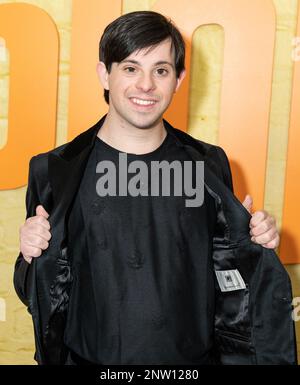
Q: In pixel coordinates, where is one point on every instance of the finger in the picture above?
(41, 211)
(35, 241)
(266, 237)
(38, 219)
(37, 231)
(272, 244)
(27, 259)
(31, 251)
(263, 227)
(248, 202)
(258, 217)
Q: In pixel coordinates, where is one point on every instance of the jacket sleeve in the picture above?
(22, 268)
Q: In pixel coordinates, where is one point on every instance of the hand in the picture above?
(35, 234)
(263, 226)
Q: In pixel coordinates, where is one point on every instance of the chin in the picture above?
(144, 127)
(146, 124)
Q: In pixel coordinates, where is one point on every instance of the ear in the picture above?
(180, 79)
(103, 75)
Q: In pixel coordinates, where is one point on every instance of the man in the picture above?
(120, 278)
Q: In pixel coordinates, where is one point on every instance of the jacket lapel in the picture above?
(65, 173)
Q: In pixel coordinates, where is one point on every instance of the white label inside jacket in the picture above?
(230, 280)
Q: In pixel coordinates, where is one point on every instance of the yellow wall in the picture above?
(16, 337)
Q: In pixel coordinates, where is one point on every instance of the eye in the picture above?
(129, 70)
(162, 71)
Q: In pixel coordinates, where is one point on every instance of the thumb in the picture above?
(41, 211)
(248, 202)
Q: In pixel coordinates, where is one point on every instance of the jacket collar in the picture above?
(87, 140)
(66, 167)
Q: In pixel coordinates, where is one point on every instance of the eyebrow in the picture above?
(155, 64)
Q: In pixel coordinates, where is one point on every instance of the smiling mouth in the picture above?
(143, 102)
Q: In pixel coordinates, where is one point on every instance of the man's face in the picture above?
(141, 87)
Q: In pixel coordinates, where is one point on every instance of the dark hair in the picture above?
(138, 30)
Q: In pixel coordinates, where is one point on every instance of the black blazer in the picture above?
(245, 319)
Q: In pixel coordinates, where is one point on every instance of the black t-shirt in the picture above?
(143, 284)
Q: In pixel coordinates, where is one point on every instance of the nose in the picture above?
(145, 82)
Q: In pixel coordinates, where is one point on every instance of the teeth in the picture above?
(143, 102)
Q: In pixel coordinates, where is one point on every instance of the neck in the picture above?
(127, 138)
